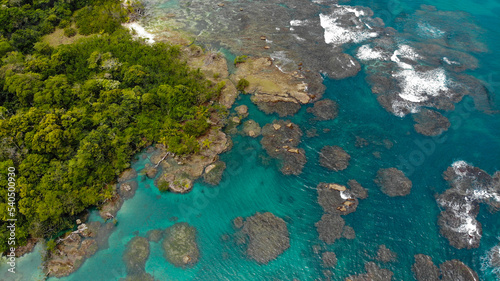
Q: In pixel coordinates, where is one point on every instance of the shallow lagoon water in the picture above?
(252, 183)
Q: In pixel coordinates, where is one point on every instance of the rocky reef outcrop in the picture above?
(272, 90)
(136, 255)
(393, 182)
(180, 246)
(357, 190)
(337, 200)
(430, 123)
(325, 109)
(329, 259)
(251, 128)
(451, 270)
(469, 187)
(384, 254)
(334, 158)
(280, 140)
(73, 248)
(330, 228)
(213, 173)
(266, 237)
(179, 173)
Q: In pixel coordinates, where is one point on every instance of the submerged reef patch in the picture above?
(266, 237)
(393, 182)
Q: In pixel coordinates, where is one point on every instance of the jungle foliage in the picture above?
(72, 116)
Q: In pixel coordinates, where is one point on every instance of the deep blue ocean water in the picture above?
(253, 183)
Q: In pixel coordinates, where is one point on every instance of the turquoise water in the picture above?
(252, 183)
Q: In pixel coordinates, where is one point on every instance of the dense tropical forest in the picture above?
(73, 115)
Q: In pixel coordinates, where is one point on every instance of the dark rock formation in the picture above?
(373, 273)
(251, 128)
(282, 108)
(127, 189)
(330, 228)
(75, 247)
(150, 171)
(280, 140)
(452, 270)
(324, 110)
(430, 123)
(393, 182)
(213, 173)
(335, 198)
(136, 255)
(469, 186)
(348, 232)
(334, 158)
(267, 237)
(180, 245)
(424, 269)
(357, 190)
(455, 270)
(384, 254)
(329, 259)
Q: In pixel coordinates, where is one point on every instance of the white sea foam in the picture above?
(140, 31)
(337, 34)
(298, 22)
(280, 59)
(399, 107)
(468, 224)
(345, 195)
(366, 53)
(450, 62)
(428, 30)
(298, 37)
(406, 52)
(459, 165)
(416, 86)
